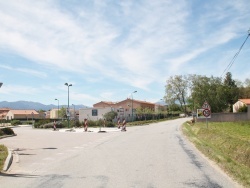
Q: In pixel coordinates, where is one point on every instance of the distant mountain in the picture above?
(25, 105)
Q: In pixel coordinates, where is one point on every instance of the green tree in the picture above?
(63, 113)
(207, 89)
(231, 93)
(109, 116)
(177, 90)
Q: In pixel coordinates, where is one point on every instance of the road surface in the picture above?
(152, 156)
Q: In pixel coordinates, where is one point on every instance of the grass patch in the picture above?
(227, 143)
(3, 156)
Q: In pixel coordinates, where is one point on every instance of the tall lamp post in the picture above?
(57, 108)
(74, 115)
(132, 106)
(68, 114)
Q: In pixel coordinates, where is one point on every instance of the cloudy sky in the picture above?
(109, 48)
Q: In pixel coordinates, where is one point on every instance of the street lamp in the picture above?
(57, 109)
(68, 85)
(132, 106)
(74, 114)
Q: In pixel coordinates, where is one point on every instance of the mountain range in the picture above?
(28, 105)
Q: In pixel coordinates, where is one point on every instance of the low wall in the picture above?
(226, 117)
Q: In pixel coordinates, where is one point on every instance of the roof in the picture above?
(105, 102)
(24, 112)
(4, 109)
(246, 101)
(142, 102)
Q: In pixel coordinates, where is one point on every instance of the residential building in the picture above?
(123, 109)
(240, 103)
(3, 112)
(22, 114)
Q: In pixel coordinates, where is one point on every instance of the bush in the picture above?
(243, 108)
(7, 131)
(59, 124)
(110, 124)
(1, 133)
(92, 123)
(16, 122)
(41, 122)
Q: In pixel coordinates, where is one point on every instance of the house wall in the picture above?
(86, 113)
(54, 114)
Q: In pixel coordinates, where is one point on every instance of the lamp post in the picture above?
(57, 108)
(74, 115)
(132, 106)
(68, 85)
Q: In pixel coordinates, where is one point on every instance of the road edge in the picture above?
(8, 161)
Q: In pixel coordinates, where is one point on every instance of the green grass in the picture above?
(3, 156)
(228, 144)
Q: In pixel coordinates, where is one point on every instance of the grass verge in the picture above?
(226, 143)
(3, 156)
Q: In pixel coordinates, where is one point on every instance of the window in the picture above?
(94, 112)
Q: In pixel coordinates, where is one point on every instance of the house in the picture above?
(3, 112)
(240, 103)
(123, 109)
(22, 115)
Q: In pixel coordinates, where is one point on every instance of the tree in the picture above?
(207, 89)
(231, 92)
(62, 113)
(247, 82)
(177, 90)
(109, 116)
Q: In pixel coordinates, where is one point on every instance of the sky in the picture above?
(107, 49)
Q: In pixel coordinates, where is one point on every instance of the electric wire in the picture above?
(235, 56)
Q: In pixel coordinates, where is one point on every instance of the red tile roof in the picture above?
(24, 112)
(246, 101)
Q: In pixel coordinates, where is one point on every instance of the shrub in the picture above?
(7, 131)
(92, 123)
(16, 122)
(41, 122)
(59, 124)
(110, 124)
(1, 133)
(243, 108)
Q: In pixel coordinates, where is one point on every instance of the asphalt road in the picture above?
(157, 155)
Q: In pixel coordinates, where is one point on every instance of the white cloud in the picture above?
(135, 43)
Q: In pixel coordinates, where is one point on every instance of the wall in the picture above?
(227, 117)
(87, 113)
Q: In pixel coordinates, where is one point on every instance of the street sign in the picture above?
(206, 106)
(207, 113)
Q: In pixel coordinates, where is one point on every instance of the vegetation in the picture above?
(6, 131)
(190, 92)
(109, 116)
(3, 156)
(225, 143)
(16, 122)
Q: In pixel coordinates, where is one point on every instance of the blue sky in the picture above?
(108, 48)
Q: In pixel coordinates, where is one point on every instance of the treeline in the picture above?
(190, 92)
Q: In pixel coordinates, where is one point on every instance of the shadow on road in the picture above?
(18, 175)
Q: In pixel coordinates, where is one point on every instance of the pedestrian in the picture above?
(85, 125)
(124, 125)
(54, 125)
(118, 123)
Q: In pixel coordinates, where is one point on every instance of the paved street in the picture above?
(150, 156)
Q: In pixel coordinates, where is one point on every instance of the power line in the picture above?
(235, 56)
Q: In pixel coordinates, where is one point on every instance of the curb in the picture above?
(8, 160)
(6, 136)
